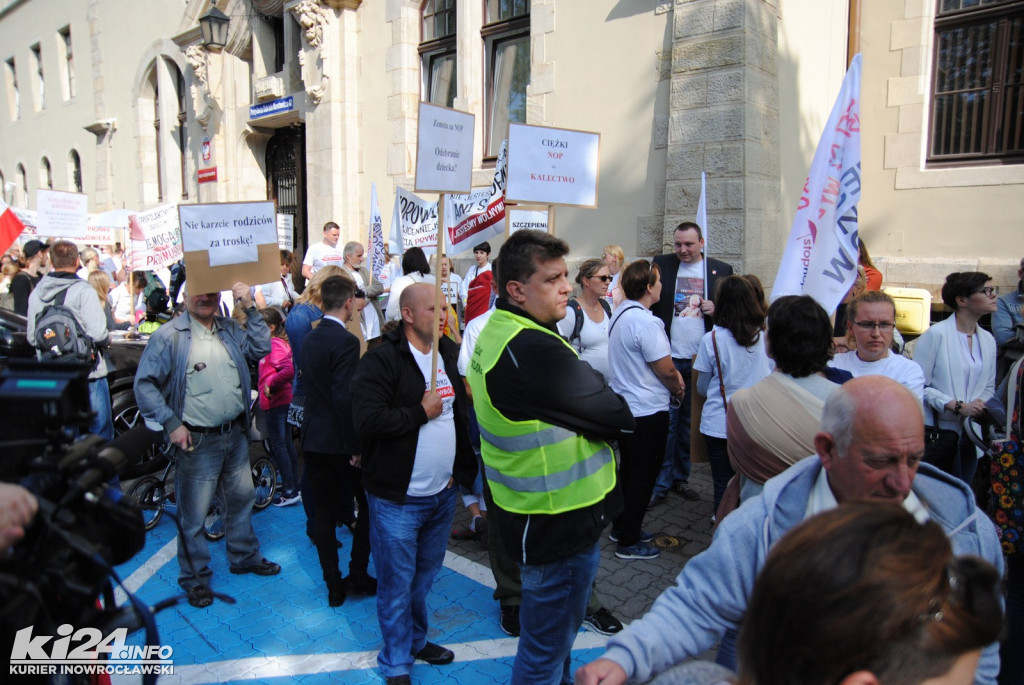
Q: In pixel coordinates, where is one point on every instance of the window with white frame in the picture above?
(13, 93)
(67, 65)
(36, 53)
(437, 51)
(506, 34)
(977, 99)
(75, 172)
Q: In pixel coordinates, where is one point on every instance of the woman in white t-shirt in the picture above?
(732, 356)
(417, 270)
(641, 370)
(590, 338)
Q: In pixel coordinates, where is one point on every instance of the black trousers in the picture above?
(331, 478)
(642, 455)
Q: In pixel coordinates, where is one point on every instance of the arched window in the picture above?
(21, 187)
(45, 174)
(163, 132)
(74, 171)
(437, 50)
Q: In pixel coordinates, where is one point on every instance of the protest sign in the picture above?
(522, 217)
(285, 231)
(444, 150)
(413, 223)
(61, 215)
(155, 238)
(552, 166)
(29, 220)
(820, 258)
(228, 243)
(479, 216)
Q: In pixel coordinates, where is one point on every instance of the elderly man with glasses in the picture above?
(871, 320)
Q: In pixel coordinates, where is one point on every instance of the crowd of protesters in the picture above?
(622, 385)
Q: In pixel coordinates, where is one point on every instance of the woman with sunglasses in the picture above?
(958, 358)
(585, 325)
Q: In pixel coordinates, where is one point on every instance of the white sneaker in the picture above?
(286, 501)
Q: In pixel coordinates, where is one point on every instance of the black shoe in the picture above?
(510, 619)
(361, 584)
(399, 679)
(264, 568)
(686, 491)
(435, 654)
(655, 501)
(335, 591)
(200, 596)
(602, 621)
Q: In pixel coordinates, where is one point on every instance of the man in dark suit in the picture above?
(686, 306)
(329, 442)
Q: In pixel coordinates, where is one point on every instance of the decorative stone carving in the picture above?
(202, 100)
(312, 16)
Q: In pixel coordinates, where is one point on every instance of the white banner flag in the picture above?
(375, 244)
(413, 224)
(471, 219)
(821, 254)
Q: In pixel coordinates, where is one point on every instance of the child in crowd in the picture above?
(276, 372)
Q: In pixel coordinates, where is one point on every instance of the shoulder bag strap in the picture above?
(718, 363)
(610, 327)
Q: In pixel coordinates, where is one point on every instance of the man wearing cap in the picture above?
(36, 256)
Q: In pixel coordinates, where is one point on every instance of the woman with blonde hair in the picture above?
(100, 281)
(615, 258)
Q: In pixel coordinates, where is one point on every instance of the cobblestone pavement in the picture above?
(280, 630)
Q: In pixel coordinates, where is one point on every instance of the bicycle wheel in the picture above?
(149, 494)
(264, 479)
(213, 527)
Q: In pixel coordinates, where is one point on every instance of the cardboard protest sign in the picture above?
(29, 221)
(413, 223)
(552, 166)
(285, 231)
(479, 216)
(522, 217)
(444, 157)
(229, 242)
(155, 238)
(61, 215)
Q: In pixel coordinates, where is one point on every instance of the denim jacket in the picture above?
(160, 378)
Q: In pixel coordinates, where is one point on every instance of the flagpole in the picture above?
(437, 293)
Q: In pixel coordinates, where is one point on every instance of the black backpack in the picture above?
(59, 335)
(577, 309)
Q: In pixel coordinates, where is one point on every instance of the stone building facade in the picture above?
(312, 101)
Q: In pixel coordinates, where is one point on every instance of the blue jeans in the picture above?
(102, 424)
(218, 464)
(408, 541)
(282, 447)
(676, 466)
(554, 603)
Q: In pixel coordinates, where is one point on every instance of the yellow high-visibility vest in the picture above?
(533, 467)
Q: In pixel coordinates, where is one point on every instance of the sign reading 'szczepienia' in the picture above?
(444, 156)
(552, 166)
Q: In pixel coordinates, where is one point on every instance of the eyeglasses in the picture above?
(989, 291)
(604, 279)
(882, 326)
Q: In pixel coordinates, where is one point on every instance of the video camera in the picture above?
(61, 568)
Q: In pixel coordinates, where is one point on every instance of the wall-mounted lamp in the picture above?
(214, 25)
